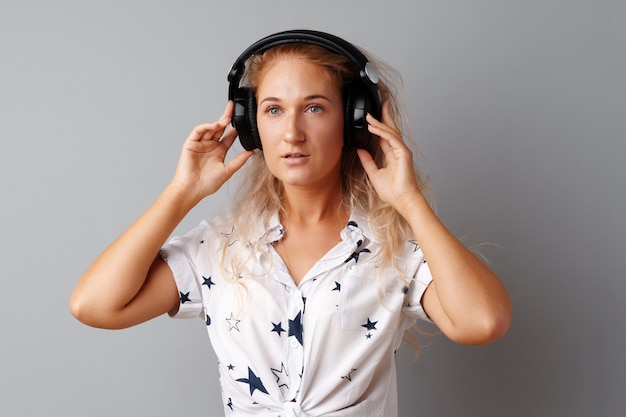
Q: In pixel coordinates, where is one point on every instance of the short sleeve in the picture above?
(181, 255)
(418, 286)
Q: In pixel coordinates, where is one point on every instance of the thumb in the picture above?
(238, 161)
(369, 165)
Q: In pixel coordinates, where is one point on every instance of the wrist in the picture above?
(410, 203)
(418, 213)
(180, 197)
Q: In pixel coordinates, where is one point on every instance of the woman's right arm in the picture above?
(128, 283)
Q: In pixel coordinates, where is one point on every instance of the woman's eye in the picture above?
(315, 109)
(272, 110)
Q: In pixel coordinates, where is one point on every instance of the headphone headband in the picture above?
(331, 42)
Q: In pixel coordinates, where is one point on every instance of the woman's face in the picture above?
(300, 122)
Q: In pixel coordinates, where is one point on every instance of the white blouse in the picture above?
(323, 348)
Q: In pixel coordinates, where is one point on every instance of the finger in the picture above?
(229, 138)
(391, 137)
(198, 131)
(386, 121)
(209, 131)
(216, 129)
(382, 130)
(228, 110)
(369, 165)
(386, 145)
(387, 117)
(237, 162)
(387, 135)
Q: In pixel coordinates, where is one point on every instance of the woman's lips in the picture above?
(295, 157)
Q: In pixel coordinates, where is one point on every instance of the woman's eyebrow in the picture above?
(272, 99)
(316, 97)
(307, 98)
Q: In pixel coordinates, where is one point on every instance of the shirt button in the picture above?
(295, 344)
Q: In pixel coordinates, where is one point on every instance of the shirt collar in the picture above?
(273, 232)
(355, 230)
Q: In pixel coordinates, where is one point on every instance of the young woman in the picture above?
(329, 254)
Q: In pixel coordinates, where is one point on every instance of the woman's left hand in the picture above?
(466, 299)
(396, 182)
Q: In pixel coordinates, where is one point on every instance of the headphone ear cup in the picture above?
(358, 105)
(240, 118)
(254, 131)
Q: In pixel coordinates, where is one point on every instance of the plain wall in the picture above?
(518, 106)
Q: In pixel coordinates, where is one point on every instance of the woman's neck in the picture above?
(312, 206)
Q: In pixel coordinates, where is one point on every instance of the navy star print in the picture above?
(355, 255)
(254, 382)
(207, 281)
(184, 297)
(278, 328)
(337, 286)
(370, 325)
(295, 327)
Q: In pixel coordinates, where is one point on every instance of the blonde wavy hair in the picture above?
(261, 198)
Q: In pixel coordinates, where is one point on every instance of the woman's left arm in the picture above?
(466, 299)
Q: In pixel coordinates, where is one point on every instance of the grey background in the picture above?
(519, 108)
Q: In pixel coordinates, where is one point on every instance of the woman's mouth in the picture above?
(295, 157)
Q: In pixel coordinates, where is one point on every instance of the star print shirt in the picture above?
(323, 348)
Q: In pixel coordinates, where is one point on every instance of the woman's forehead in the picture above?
(290, 73)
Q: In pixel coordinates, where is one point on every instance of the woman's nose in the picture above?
(293, 128)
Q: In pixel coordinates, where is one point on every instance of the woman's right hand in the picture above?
(202, 169)
(128, 283)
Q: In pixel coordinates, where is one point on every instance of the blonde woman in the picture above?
(328, 255)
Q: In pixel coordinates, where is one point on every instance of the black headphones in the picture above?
(360, 98)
